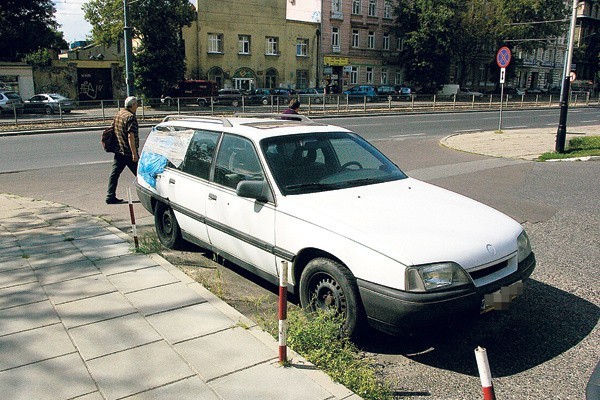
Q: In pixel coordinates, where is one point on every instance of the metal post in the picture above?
(128, 50)
(501, 102)
(561, 133)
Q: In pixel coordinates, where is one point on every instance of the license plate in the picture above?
(500, 299)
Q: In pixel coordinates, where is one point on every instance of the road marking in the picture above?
(408, 134)
(469, 130)
(516, 127)
(96, 162)
(587, 122)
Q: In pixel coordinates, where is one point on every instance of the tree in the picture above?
(464, 34)
(159, 57)
(27, 26)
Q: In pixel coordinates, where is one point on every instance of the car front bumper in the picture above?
(394, 311)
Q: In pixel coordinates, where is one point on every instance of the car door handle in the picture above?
(171, 181)
(212, 196)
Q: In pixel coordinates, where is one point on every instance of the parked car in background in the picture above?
(466, 92)
(361, 237)
(49, 103)
(363, 93)
(232, 97)
(404, 92)
(200, 91)
(9, 102)
(272, 95)
(315, 95)
(387, 91)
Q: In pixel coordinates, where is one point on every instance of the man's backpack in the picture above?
(109, 139)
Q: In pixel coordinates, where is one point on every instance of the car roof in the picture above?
(253, 126)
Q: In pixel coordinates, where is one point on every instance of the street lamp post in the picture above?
(128, 50)
(561, 133)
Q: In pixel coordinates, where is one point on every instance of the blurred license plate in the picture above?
(500, 299)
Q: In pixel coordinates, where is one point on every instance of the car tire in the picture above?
(265, 102)
(235, 103)
(49, 110)
(327, 284)
(202, 103)
(167, 227)
(318, 100)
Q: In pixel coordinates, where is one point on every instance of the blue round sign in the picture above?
(503, 57)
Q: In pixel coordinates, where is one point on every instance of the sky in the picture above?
(70, 15)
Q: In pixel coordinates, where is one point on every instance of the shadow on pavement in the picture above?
(544, 323)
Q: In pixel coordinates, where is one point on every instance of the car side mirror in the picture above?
(257, 190)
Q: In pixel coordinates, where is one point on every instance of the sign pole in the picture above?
(502, 60)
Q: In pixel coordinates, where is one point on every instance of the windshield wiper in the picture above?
(312, 185)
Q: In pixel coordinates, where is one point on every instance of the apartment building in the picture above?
(358, 44)
(246, 45)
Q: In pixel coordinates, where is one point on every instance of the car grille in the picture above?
(481, 273)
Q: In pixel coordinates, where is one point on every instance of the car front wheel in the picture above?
(167, 227)
(328, 285)
(49, 110)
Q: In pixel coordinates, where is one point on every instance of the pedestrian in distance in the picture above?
(126, 154)
(292, 109)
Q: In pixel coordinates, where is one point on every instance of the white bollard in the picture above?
(484, 373)
(283, 312)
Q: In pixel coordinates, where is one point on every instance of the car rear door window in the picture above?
(199, 156)
(237, 161)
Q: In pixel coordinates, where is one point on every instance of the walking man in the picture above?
(126, 131)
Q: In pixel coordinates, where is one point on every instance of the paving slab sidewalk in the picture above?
(84, 317)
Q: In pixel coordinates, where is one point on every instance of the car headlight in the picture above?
(524, 246)
(429, 277)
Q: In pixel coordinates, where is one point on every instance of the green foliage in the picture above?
(581, 146)
(159, 57)
(317, 337)
(439, 33)
(26, 26)
(41, 57)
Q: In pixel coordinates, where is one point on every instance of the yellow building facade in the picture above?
(247, 45)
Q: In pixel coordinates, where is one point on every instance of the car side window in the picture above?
(237, 161)
(199, 156)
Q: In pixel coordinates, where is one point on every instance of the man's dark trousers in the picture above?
(119, 163)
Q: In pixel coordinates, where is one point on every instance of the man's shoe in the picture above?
(114, 201)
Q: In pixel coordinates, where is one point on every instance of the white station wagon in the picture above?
(359, 235)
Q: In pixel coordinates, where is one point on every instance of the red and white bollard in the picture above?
(132, 215)
(283, 312)
(484, 373)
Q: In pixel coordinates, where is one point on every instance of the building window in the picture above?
(272, 46)
(355, 38)
(371, 40)
(386, 41)
(398, 78)
(336, 6)
(244, 44)
(384, 76)
(387, 9)
(301, 79)
(354, 76)
(370, 75)
(271, 78)
(335, 39)
(301, 47)
(399, 43)
(215, 43)
(356, 7)
(372, 8)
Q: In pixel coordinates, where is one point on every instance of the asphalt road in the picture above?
(545, 346)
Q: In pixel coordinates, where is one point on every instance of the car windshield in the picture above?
(317, 162)
(57, 96)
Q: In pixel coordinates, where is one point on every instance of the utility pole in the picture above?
(561, 133)
(128, 51)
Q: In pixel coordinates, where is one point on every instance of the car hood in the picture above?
(412, 222)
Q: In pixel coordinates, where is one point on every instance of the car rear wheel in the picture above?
(318, 100)
(235, 103)
(328, 285)
(167, 227)
(49, 110)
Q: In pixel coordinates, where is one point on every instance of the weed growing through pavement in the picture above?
(213, 284)
(148, 243)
